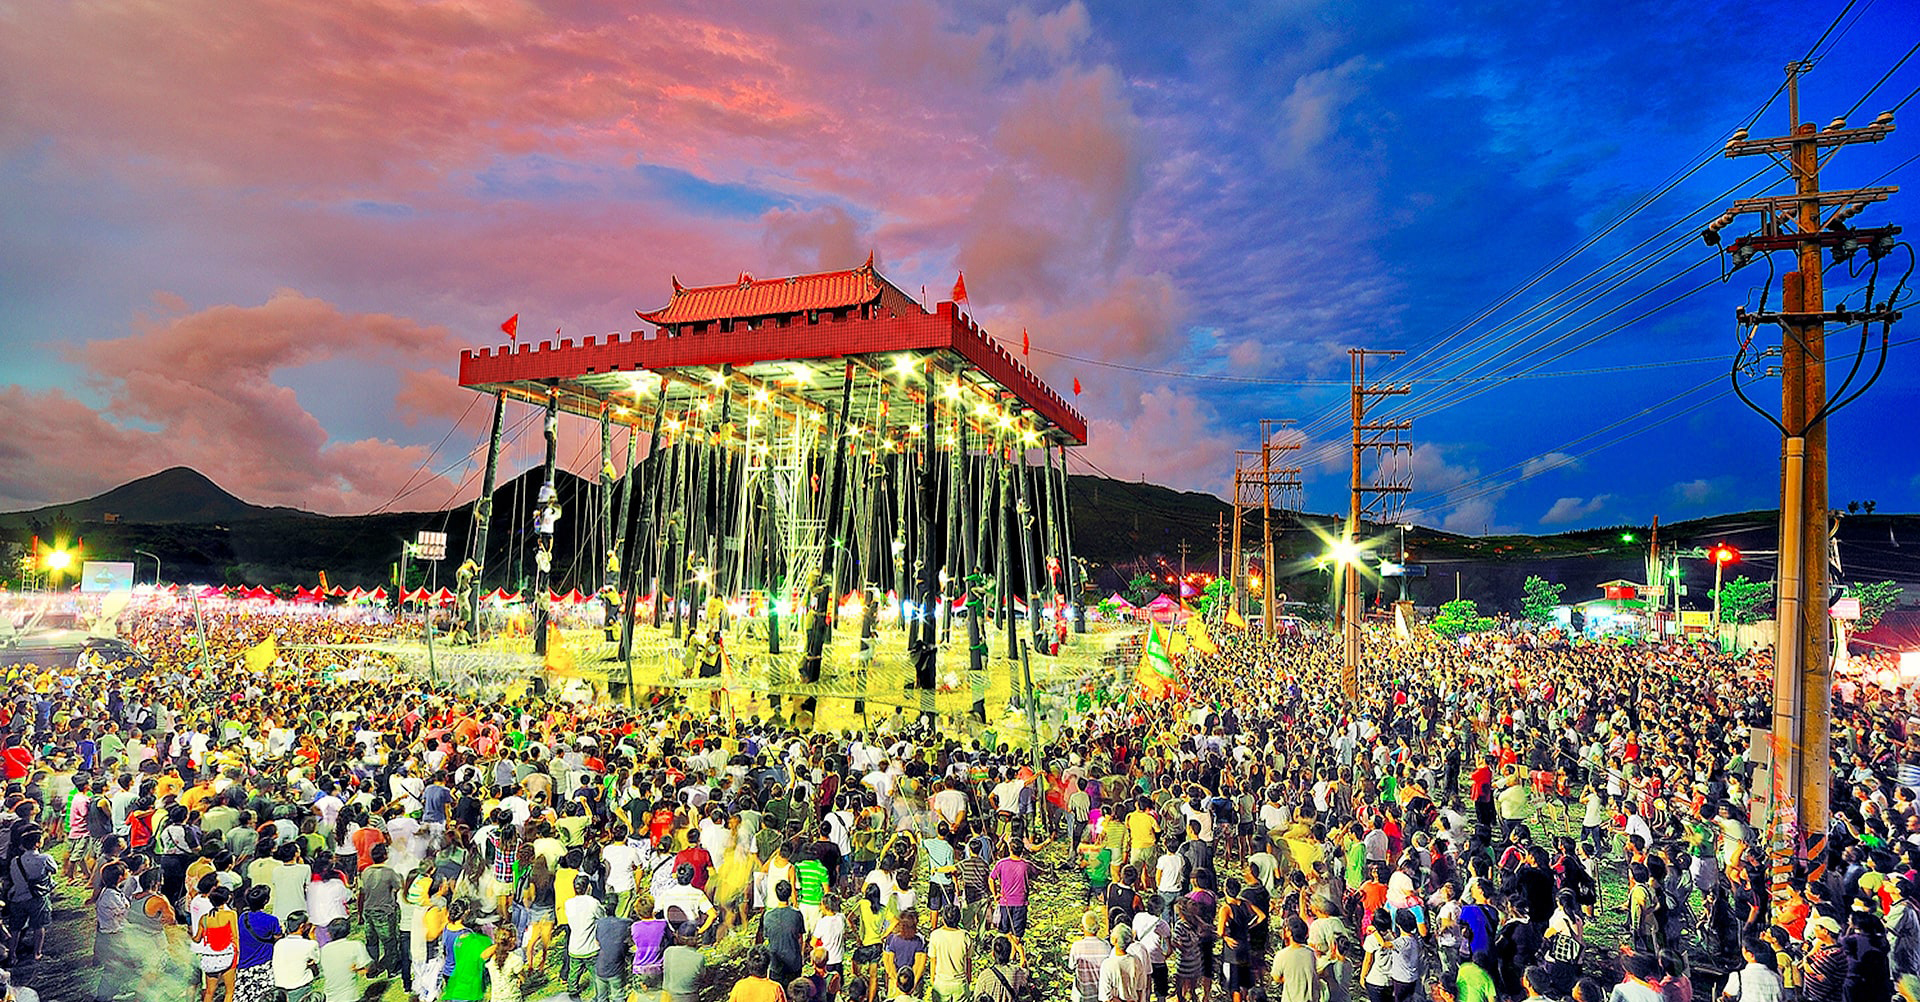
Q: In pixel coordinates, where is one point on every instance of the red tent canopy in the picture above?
(500, 595)
(356, 594)
(338, 592)
(307, 595)
(443, 597)
(575, 597)
(378, 594)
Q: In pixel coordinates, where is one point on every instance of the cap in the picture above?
(1826, 922)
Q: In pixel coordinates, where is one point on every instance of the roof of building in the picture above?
(749, 297)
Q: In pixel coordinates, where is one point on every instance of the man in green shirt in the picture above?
(812, 875)
(1475, 983)
(682, 967)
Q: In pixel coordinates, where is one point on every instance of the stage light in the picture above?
(57, 560)
(761, 395)
(904, 364)
(718, 379)
(1345, 551)
(953, 390)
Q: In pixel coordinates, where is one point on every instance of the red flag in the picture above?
(1026, 343)
(512, 327)
(960, 288)
(1076, 386)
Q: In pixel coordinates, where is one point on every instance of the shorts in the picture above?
(215, 963)
(1013, 920)
(1236, 977)
(31, 915)
(868, 954)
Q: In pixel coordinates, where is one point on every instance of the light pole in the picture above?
(156, 564)
(1403, 560)
(1722, 556)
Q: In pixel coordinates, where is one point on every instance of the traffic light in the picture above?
(1723, 554)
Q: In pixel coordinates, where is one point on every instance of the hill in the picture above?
(205, 534)
(180, 495)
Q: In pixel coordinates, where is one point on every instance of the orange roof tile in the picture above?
(750, 297)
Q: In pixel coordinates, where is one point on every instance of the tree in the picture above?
(1541, 598)
(1459, 618)
(1743, 601)
(1876, 599)
(1217, 592)
(1140, 588)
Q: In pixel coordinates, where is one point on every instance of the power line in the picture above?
(1883, 79)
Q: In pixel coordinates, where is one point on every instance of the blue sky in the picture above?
(258, 250)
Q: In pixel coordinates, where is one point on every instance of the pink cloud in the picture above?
(198, 388)
(1168, 439)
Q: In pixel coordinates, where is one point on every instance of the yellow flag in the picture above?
(1176, 644)
(260, 656)
(1202, 640)
(1234, 619)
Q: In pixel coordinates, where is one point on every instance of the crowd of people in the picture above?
(1488, 821)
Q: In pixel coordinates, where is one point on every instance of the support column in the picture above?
(821, 597)
(546, 514)
(923, 640)
(630, 582)
(1024, 524)
(483, 515)
(603, 535)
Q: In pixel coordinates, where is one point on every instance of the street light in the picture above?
(156, 564)
(1722, 555)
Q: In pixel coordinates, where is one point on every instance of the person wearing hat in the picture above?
(1823, 970)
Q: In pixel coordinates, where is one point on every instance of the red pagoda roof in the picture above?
(749, 297)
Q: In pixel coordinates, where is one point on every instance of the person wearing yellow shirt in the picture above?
(1142, 831)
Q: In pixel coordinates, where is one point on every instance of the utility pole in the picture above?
(1798, 791)
(1219, 543)
(1254, 485)
(1183, 561)
(1383, 439)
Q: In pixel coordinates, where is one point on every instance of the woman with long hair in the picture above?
(536, 894)
(216, 945)
(506, 967)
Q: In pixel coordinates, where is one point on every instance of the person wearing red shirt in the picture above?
(19, 759)
(702, 862)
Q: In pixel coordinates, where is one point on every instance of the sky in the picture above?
(253, 238)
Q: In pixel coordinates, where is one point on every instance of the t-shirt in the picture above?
(784, 928)
(613, 934)
(1012, 874)
(756, 990)
(338, 959)
(290, 958)
(947, 952)
(813, 881)
(468, 978)
(831, 931)
(380, 890)
(680, 970)
(581, 912)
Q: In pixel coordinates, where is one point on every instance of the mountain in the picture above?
(204, 534)
(176, 496)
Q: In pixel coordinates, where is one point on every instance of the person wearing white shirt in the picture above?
(296, 959)
(582, 910)
(1756, 982)
(1151, 939)
(1121, 977)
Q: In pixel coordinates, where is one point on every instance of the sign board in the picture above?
(1700, 618)
(1389, 569)
(106, 575)
(431, 546)
(1846, 608)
